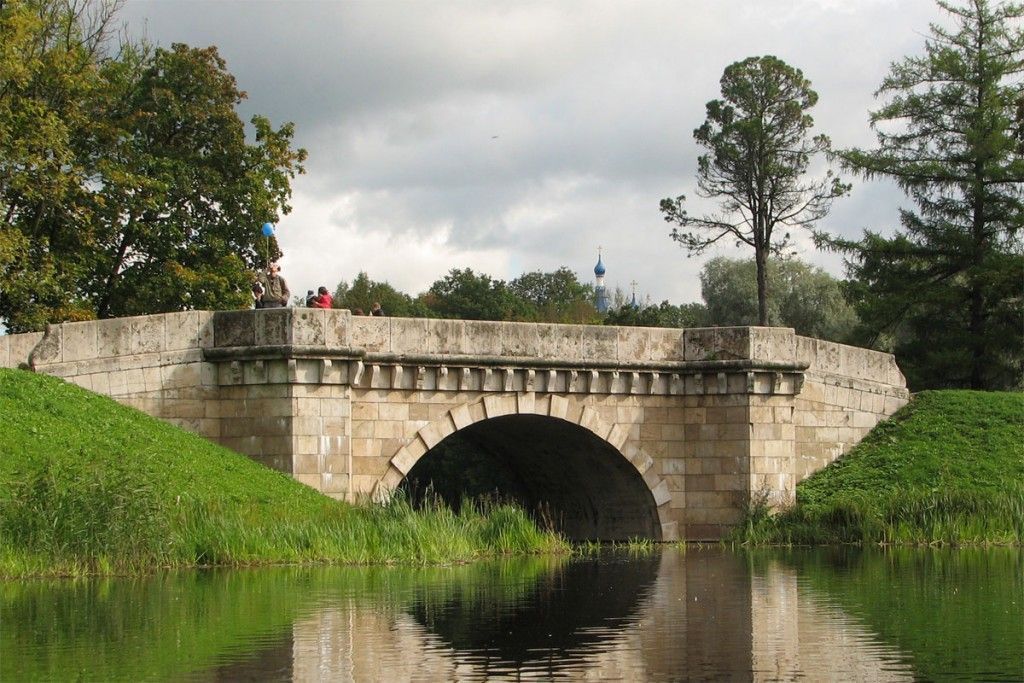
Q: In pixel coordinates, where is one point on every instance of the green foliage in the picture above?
(947, 468)
(98, 509)
(758, 155)
(127, 184)
(946, 289)
(662, 315)
(363, 292)
(90, 486)
(556, 297)
(803, 297)
(466, 295)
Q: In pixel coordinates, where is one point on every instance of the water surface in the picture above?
(831, 614)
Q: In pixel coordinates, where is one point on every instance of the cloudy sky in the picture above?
(510, 137)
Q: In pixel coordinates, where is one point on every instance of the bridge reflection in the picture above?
(707, 615)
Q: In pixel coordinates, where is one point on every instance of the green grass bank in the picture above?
(88, 486)
(947, 469)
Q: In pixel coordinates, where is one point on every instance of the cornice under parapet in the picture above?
(493, 374)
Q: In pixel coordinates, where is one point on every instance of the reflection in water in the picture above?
(553, 617)
(795, 632)
(703, 615)
(706, 614)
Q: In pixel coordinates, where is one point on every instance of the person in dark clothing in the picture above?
(257, 295)
(376, 309)
(275, 289)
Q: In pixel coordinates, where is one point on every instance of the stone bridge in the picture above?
(619, 431)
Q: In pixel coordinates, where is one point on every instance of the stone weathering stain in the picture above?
(685, 425)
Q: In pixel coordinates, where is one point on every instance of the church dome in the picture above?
(599, 268)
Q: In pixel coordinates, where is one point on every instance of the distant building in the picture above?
(601, 299)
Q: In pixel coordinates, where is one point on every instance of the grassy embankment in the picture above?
(946, 469)
(90, 486)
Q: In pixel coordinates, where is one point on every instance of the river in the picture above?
(706, 613)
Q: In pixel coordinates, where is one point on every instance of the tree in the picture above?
(363, 292)
(181, 191)
(470, 296)
(557, 297)
(48, 53)
(662, 315)
(804, 297)
(947, 286)
(127, 185)
(758, 156)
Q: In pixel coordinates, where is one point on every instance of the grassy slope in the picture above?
(949, 467)
(88, 485)
(47, 420)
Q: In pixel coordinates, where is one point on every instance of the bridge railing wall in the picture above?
(847, 391)
(153, 363)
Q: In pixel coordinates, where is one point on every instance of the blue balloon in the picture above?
(268, 229)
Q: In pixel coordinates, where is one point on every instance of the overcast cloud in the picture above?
(509, 137)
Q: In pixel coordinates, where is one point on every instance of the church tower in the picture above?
(600, 292)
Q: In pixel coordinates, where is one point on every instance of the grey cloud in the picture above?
(542, 129)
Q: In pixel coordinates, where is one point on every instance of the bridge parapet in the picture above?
(333, 347)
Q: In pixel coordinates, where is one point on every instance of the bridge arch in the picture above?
(596, 485)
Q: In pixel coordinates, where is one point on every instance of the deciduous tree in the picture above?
(662, 315)
(475, 296)
(127, 184)
(364, 291)
(804, 297)
(557, 296)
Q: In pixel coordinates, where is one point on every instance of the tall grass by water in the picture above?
(948, 469)
(89, 486)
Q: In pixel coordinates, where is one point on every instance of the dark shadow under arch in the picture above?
(557, 470)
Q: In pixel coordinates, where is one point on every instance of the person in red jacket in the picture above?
(323, 299)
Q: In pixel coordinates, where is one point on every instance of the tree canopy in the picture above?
(474, 296)
(127, 184)
(664, 314)
(759, 149)
(804, 297)
(364, 292)
(556, 297)
(946, 287)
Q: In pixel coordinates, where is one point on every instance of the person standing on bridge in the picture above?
(275, 289)
(323, 299)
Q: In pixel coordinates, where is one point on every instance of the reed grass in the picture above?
(88, 486)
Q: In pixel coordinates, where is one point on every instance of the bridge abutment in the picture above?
(705, 420)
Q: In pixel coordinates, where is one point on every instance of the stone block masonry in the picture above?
(686, 425)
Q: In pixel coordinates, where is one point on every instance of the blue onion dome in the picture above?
(599, 268)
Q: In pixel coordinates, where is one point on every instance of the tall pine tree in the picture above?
(948, 286)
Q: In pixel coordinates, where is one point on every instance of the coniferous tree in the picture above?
(759, 149)
(947, 287)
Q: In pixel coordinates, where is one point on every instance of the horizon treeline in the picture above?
(805, 297)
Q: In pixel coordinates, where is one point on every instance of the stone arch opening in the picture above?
(561, 472)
